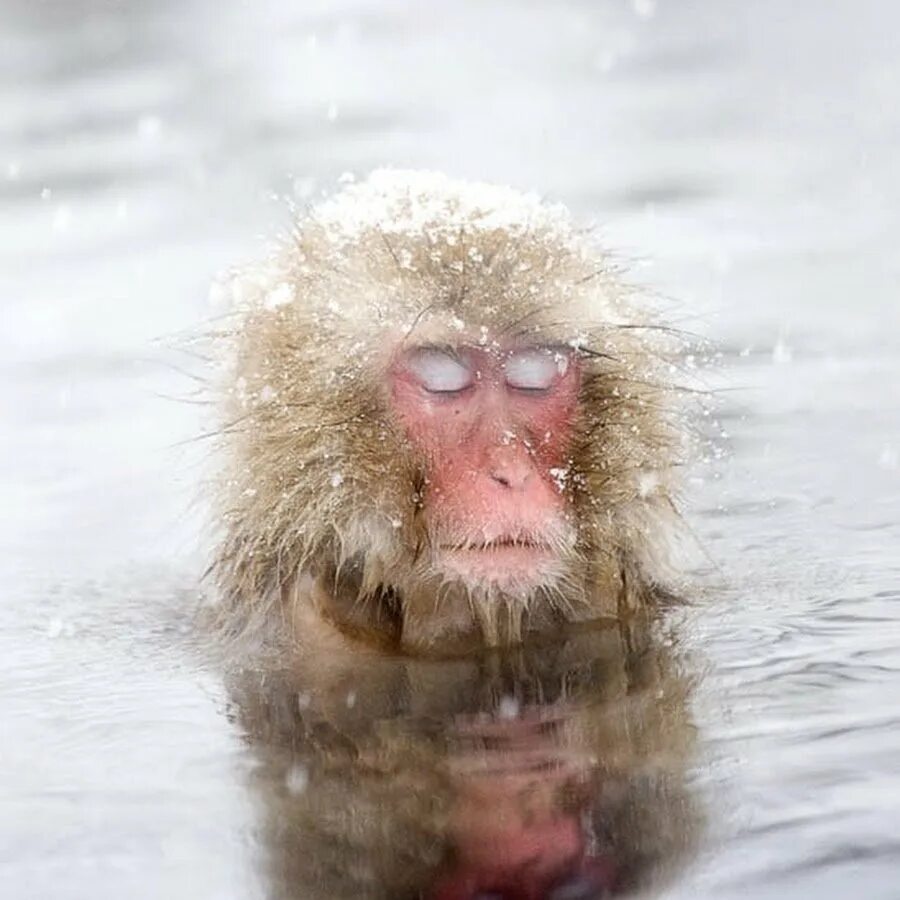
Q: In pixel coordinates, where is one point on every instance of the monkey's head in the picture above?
(445, 414)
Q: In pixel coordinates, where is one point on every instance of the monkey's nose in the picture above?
(514, 478)
(510, 467)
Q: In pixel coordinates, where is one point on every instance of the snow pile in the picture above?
(397, 201)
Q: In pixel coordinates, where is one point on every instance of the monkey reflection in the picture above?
(555, 770)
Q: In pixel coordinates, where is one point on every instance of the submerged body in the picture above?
(552, 771)
(448, 424)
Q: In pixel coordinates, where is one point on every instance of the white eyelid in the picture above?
(438, 371)
(535, 369)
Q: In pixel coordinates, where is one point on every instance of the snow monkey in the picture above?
(448, 423)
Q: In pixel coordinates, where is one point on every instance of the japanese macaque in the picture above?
(552, 771)
(448, 424)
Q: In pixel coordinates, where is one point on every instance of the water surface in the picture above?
(742, 155)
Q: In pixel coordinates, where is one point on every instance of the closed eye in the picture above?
(439, 371)
(535, 369)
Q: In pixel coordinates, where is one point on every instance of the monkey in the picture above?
(448, 421)
(447, 498)
(547, 770)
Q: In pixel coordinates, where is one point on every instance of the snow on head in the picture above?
(428, 221)
(398, 201)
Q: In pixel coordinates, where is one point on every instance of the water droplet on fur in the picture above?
(508, 708)
(296, 779)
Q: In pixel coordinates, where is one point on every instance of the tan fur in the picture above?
(320, 488)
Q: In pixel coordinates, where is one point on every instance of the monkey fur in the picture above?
(320, 493)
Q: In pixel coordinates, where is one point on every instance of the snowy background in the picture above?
(743, 154)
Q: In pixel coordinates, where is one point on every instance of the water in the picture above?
(742, 154)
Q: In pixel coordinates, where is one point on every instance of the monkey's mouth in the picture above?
(505, 561)
(496, 544)
(498, 547)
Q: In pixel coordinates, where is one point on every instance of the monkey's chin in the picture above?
(511, 568)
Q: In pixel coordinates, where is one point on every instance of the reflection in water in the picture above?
(552, 771)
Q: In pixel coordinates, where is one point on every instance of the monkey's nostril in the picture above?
(510, 476)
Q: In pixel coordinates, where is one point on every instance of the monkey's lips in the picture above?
(510, 563)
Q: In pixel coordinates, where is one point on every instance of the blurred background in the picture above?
(743, 155)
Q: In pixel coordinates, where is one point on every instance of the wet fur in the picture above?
(320, 495)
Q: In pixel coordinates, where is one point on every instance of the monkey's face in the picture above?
(492, 424)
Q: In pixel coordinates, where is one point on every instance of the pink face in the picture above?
(493, 426)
